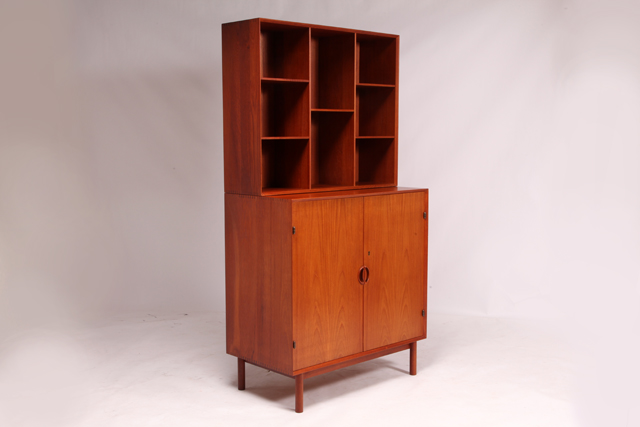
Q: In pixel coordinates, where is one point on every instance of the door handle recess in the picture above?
(363, 275)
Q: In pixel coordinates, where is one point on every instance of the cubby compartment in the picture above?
(376, 107)
(332, 149)
(285, 164)
(285, 109)
(332, 65)
(375, 161)
(377, 59)
(284, 51)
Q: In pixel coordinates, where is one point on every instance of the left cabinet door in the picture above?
(327, 296)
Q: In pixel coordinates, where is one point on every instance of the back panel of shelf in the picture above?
(285, 164)
(377, 59)
(332, 65)
(376, 107)
(375, 161)
(332, 150)
(285, 109)
(284, 51)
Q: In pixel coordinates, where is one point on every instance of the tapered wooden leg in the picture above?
(299, 392)
(240, 374)
(413, 349)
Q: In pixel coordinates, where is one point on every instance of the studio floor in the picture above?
(172, 370)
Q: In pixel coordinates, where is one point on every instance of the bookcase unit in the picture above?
(326, 258)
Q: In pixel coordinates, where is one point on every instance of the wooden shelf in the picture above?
(330, 110)
(374, 137)
(278, 80)
(373, 85)
(308, 107)
(284, 138)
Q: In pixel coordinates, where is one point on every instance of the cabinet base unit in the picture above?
(317, 282)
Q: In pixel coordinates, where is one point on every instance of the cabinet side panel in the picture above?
(426, 257)
(241, 106)
(327, 297)
(394, 252)
(258, 281)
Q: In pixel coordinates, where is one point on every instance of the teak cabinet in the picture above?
(326, 258)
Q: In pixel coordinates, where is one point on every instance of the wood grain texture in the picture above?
(332, 149)
(285, 164)
(258, 280)
(284, 51)
(376, 161)
(394, 253)
(376, 107)
(327, 298)
(346, 193)
(275, 73)
(377, 57)
(332, 74)
(241, 106)
(285, 109)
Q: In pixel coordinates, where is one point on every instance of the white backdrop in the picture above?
(521, 117)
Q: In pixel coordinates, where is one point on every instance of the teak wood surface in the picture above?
(327, 298)
(393, 251)
(326, 259)
(284, 287)
(333, 90)
(258, 281)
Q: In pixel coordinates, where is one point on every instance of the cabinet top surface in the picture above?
(348, 193)
(274, 23)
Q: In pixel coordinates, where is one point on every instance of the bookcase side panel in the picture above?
(241, 106)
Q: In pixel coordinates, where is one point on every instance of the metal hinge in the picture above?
(294, 230)
(294, 344)
(424, 215)
(422, 316)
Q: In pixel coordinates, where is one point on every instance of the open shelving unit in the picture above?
(319, 112)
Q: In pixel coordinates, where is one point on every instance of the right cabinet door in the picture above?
(394, 246)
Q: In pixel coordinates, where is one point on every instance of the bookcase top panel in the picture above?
(274, 24)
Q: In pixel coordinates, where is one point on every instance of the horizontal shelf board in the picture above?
(373, 85)
(331, 110)
(272, 190)
(370, 184)
(375, 137)
(279, 80)
(284, 137)
(330, 187)
(348, 192)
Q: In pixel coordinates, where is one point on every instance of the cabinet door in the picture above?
(394, 253)
(327, 297)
